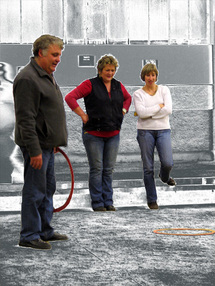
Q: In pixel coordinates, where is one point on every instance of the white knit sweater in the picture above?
(150, 115)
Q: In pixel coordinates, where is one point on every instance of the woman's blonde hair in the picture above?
(106, 60)
(147, 69)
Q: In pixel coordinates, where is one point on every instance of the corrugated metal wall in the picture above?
(108, 21)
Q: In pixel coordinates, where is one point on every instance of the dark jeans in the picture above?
(102, 154)
(37, 197)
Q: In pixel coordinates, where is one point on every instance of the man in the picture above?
(40, 127)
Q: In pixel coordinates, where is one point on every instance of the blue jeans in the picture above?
(37, 197)
(148, 140)
(102, 154)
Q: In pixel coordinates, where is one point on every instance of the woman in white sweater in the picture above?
(153, 104)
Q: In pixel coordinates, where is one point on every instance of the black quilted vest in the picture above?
(105, 113)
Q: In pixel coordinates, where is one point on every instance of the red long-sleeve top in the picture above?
(84, 89)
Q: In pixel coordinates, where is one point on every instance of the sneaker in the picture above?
(37, 243)
(110, 208)
(57, 236)
(153, 205)
(100, 209)
(171, 182)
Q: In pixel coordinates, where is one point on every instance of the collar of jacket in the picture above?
(41, 71)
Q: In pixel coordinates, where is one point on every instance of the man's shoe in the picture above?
(153, 205)
(57, 236)
(37, 244)
(110, 208)
(100, 209)
(171, 182)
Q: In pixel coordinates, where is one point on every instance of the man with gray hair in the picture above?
(40, 127)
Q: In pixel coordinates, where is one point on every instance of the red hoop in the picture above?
(72, 182)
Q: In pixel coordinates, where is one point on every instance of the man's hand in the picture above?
(37, 162)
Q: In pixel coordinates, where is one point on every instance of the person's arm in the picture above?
(80, 91)
(166, 109)
(27, 102)
(127, 100)
(142, 109)
(79, 111)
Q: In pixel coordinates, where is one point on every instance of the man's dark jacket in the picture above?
(39, 110)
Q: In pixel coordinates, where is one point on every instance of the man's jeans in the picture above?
(37, 197)
(102, 154)
(148, 140)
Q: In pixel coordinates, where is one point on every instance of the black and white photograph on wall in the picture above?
(107, 142)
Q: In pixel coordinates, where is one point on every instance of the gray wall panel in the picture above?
(176, 64)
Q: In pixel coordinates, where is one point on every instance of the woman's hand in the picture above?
(85, 118)
(82, 114)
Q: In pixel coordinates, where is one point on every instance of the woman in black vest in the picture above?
(106, 101)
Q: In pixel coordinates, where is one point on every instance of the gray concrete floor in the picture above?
(114, 248)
